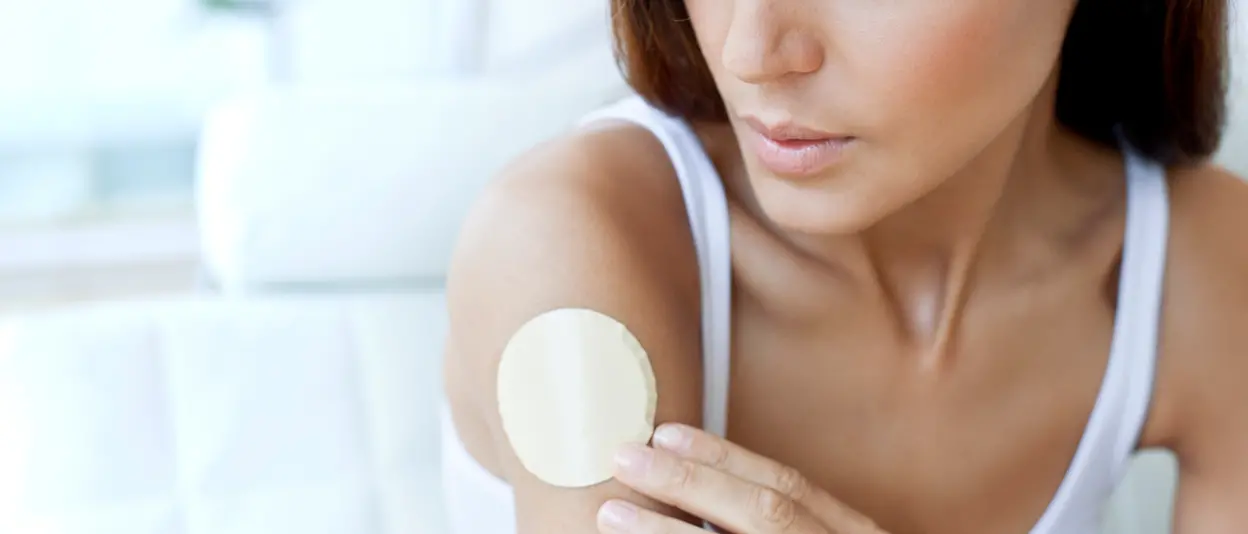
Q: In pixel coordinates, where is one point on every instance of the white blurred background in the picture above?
(103, 104)
(223, 229)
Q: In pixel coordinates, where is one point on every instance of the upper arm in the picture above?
(555, 232)
(1205, 352)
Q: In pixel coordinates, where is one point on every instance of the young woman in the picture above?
(928, 266)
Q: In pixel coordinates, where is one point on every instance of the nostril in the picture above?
(808, 54)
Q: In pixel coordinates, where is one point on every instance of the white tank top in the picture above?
(480, 503)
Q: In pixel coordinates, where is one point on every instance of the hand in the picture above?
(737, 490)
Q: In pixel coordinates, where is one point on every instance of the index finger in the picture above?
(732, 502)
(713, 451)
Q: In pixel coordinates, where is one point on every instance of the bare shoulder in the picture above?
(1210, 209)
(1208, 255)
(587, 194)
(1199, 400)
(593, 220)
(1204, 338)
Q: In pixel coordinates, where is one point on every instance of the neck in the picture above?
(922, 259)
(991, 223)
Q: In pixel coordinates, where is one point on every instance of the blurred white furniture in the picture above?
(78, 70)
(265, 416)
(130, 80)
(97, 93)
(302, 398)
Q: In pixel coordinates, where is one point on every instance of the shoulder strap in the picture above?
(1121, 409)
(1140, 297)
(707, 207)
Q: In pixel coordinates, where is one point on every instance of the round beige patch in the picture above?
(574, 386)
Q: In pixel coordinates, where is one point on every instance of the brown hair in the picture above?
(1154, 71)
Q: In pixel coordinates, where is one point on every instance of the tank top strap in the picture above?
(1146, 240)
(707, 208)
(1112, 434)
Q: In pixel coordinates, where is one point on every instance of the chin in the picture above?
(822, 214)
(823, 224)
(831, 206)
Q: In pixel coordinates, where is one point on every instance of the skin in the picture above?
(920, 331)
(732, 487)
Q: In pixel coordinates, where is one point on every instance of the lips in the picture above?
(794, 151)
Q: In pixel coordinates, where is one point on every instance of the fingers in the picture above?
(733, 503)
(710, 450)
(623, 517)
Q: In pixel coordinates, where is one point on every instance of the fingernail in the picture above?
(634, 459)
(617, 514)
(671, 437)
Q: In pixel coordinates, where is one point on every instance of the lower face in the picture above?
(848, 110)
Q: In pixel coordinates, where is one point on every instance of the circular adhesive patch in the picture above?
(574, 386)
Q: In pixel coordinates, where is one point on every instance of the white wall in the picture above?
(81, 69)
(337, 40)
(129, 76)
(1234, 152)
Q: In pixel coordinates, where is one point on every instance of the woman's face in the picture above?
(847, 110)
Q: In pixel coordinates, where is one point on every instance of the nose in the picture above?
(765, 43)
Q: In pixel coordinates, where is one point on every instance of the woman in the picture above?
(965, 257)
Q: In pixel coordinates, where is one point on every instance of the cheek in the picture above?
(928, 62)
(711, 20)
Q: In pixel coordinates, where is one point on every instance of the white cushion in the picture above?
(369, 183)
(216, 417)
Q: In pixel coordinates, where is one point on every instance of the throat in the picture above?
(923, 259)
(926, 300)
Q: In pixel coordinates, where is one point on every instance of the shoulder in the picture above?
(1210, 208)
(570, 215)
(1199, 406)
(1208, 255)
(1205, 317)
(612, 183)
(593, 220)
